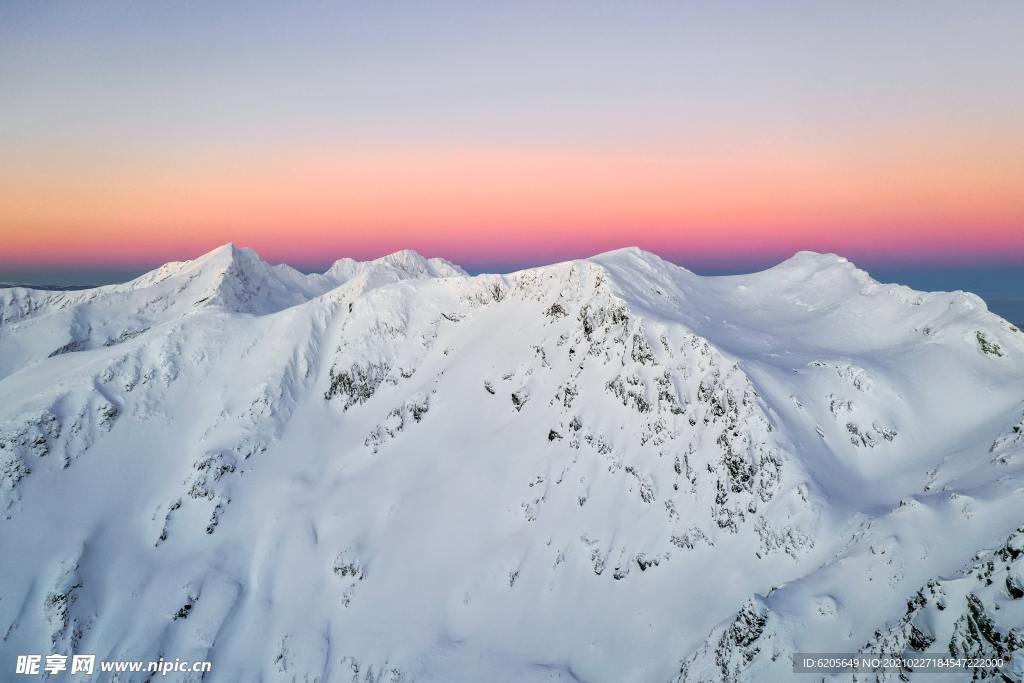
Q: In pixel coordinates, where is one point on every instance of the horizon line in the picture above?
(718, 264)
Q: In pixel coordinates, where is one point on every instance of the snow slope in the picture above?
(609, 469)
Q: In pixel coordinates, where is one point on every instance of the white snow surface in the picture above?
(609, 469)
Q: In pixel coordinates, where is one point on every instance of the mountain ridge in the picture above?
(584, 471)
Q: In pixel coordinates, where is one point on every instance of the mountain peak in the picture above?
(821, 267)
(415, 262)
(402, 264)
(814, 260)
(635, 266)
(625, 253)
(226, 248)
(229, 253)
(817, 257)
(404, 256)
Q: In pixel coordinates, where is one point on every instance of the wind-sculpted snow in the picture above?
(602, 470)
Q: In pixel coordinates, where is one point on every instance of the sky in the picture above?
(721, 135)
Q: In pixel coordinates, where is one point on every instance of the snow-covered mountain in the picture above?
(609, 469)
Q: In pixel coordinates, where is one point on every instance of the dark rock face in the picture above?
(1014, 586)
(980, 627)
(986, 345)
(357, 384)
(71, 347)
(739, 643)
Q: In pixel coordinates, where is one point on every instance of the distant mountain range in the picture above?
(608, 469)
(45, 287)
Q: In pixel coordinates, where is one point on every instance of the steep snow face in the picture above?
(607, 469)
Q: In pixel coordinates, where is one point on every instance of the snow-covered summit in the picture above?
(606, 469)
(231, 279)
(401, 265)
